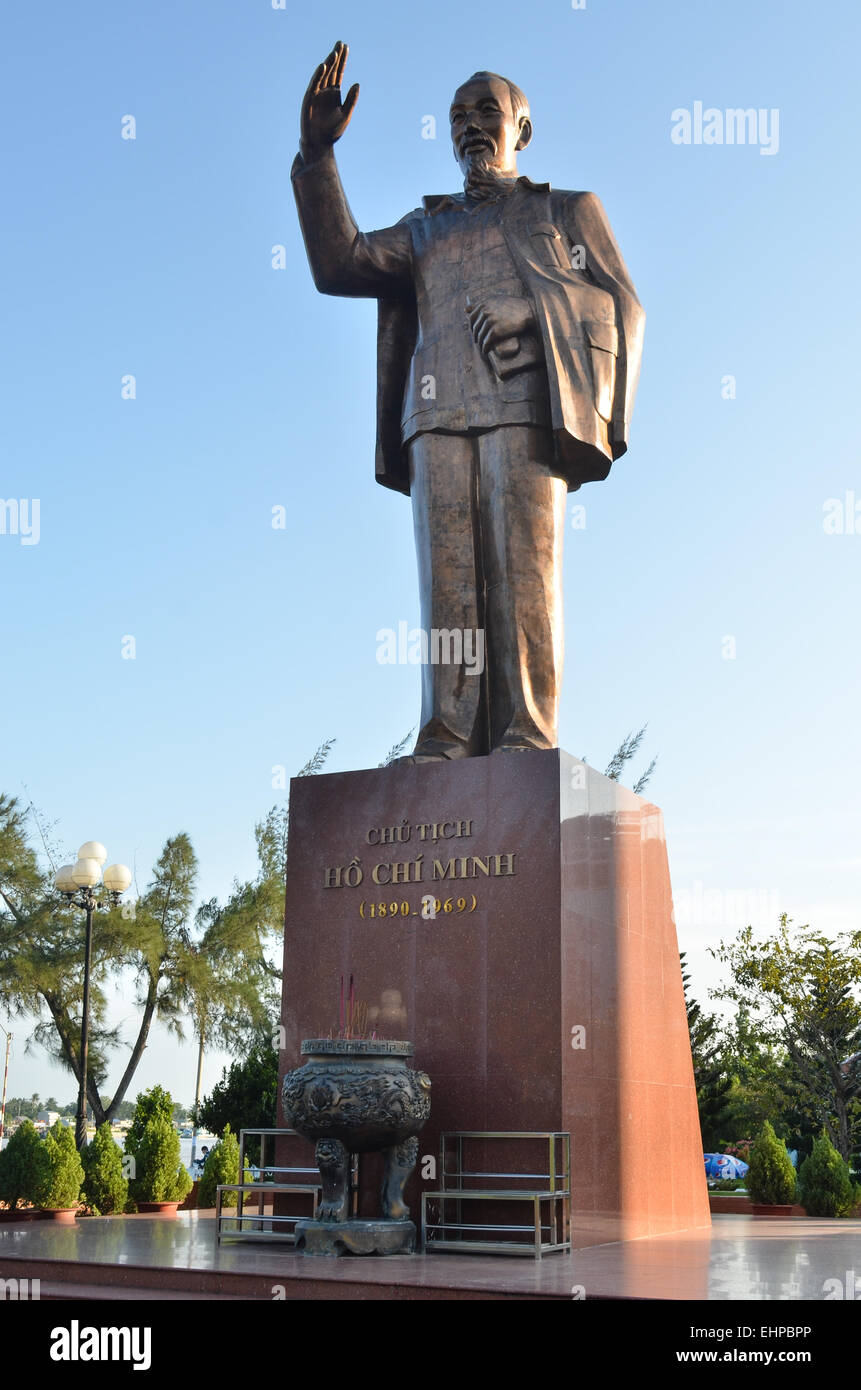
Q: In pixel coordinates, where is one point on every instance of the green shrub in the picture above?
(61, 1173)
(20, 1166)
(825, 1183)
(153, 1144)
(106, 1188)
(771, 1177)
(159, 1175)
(246, 1097)
(148, 1105)
(222, 1166)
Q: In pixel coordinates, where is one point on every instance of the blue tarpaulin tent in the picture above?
(724, 1166)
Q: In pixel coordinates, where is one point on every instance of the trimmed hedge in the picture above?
(222, 1166)
(826, 1186)
(770, 1180)
(19, 1166)
(106, 1188)
(59, 1171)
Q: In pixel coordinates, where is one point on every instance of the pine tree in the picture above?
(153, 1143)
(771, 1176)
(19, 1163)
(757, 1067)
(222, 1166)
(826, 1187)
(246, 1097)
(801, 989)
(106, 1188)
(60, 1173)
(712, 1082)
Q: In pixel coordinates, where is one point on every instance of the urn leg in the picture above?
(333, 1160)
(400, 1160)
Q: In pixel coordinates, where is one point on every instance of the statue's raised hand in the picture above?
(324, 116)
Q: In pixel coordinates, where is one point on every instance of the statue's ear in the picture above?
(525, 134)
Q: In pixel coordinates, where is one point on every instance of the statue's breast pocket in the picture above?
(604, 351)
(549, 246)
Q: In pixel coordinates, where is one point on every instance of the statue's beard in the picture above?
(483, 181)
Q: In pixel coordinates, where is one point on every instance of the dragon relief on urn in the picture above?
(358, 1096)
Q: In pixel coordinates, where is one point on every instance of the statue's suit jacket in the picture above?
(590, 320)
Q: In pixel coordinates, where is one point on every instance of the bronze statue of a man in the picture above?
(509, 344)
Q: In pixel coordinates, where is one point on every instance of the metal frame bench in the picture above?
(259, 1224)
(550, 1227)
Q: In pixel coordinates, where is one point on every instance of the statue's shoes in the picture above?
(434, 751)
(411, 759)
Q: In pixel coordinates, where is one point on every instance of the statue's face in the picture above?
(483, 128)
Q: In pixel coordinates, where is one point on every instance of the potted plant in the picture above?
(60, 1175)
(771, 1177)
(106, 1187)
(222, 1166)
(825, 1182)
(155, 1101)
(19, 1169)
(159, 1181)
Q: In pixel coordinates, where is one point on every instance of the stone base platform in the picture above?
(512, 917)
(332, 1239)
(150, 1258)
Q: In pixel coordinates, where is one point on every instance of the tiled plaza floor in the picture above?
(740, 1258)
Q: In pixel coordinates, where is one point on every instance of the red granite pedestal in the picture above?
(544, 994)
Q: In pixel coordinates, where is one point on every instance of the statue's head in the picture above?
(490, 122)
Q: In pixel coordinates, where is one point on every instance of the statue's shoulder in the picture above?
(581, 209)
(562, 202)
(576, 199)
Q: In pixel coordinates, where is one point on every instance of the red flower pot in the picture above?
(64, 1216)
(158, 1208)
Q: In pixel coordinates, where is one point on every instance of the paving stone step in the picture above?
(53, 1291)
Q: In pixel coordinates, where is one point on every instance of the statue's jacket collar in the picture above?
(440, 202)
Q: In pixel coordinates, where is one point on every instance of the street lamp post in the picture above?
(5, 1079)
(78, 882)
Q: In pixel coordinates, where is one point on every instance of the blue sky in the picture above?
(153, 257)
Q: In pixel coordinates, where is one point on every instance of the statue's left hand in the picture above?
(498, 316)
